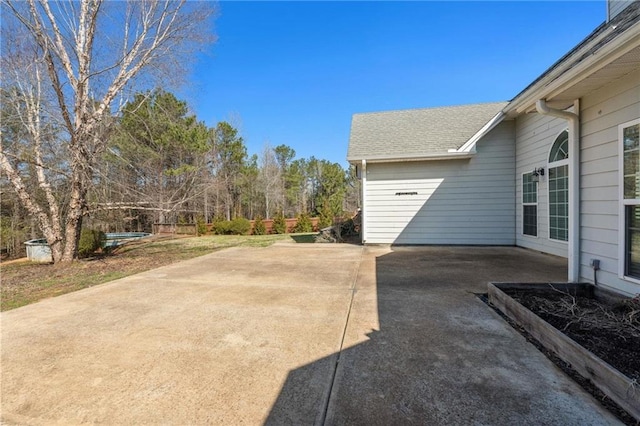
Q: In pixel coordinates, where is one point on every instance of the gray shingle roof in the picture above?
(416, 132)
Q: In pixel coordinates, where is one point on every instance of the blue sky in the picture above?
(295, 72)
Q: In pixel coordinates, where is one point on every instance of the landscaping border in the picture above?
(617, 386)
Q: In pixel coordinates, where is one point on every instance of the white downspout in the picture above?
(574, 182)
(363, 211)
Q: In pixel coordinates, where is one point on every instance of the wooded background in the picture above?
(92, 137)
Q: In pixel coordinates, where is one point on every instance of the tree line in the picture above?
(162, 165)
(85, 142)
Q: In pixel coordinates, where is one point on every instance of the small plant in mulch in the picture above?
(609, 330)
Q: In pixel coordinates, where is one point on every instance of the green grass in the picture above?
(25, 282)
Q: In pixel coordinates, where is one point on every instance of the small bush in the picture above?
(221, 227)
(239, 226)
(201, 225)
(259, 228)
(303, 223)
(325, 217)
(217, 226)
(279, 224)
(90, 241)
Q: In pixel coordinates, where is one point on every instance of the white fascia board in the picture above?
(470, 145)
(563, 78)
(429, 157)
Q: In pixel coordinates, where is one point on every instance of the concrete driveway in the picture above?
(291, 334)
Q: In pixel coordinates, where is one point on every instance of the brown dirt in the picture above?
(610, 331)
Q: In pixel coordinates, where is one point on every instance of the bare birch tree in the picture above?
(269, 179)
(84, 55)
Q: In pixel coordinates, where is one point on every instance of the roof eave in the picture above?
(567, 75)
(470, 145)
(402, 159)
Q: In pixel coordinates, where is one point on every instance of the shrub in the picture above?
(201, 225)
(259, 228)
(221, 227)
(279, 224)
(325, 218)
(217, 226)
(239, 226)
(90, 241)
(303, 223)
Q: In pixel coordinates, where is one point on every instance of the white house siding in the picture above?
(601, 113)
(463, 202)
(535, 135)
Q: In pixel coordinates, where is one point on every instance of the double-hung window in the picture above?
(629, 136)
(529, 205)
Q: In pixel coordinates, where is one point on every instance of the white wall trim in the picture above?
(522, 204)
(622, 238)
(470, 145)
(363, 212)
(551, 165)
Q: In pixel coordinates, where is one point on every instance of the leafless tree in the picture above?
(84, 55)
(269, 180)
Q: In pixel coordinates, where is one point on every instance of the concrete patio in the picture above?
(291, 334)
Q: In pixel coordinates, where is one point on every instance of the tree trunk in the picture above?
(73, 225)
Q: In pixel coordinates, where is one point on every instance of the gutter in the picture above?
(578, 64)
(574, 182)
(428, 157)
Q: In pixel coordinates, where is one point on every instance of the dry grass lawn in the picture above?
(25, 282)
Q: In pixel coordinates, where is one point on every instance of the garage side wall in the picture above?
(601, 113)
(461, 202)
(535, 135)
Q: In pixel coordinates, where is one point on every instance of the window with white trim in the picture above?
(559, 188)
(529, 205)
(629, 135)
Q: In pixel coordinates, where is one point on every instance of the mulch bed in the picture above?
(609, 330)
(586, 315)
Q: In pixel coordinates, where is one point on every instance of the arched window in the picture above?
(559, 188)
(560, 148)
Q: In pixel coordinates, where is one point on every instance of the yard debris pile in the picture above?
(610, 331)
(339, 231)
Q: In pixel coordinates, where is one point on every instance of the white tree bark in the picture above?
(269, 179)
(64, 35)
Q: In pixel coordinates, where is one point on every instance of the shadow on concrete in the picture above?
(438, 355)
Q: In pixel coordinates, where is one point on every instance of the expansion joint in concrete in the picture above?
(325, 408)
